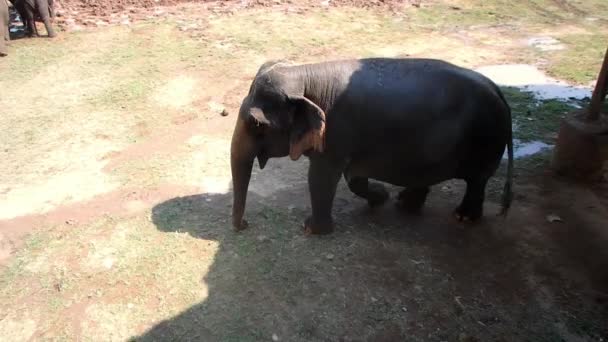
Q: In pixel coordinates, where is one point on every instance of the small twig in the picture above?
(457, 300)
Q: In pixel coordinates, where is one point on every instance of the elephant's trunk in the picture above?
(242, 154)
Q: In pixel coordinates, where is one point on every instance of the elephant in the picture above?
(409, 122)
(4, 23)
(31, 10)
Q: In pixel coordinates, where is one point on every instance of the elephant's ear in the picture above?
(308, 127)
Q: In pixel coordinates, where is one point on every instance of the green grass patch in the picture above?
(533, 119)
(580, 62)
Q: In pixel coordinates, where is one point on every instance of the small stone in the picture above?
(130, 305)
(374, 299)
(108, 263)
(404, 309)
(275, 337)
(554, 218)
(213, 106)
(329, 256)
(224, 112)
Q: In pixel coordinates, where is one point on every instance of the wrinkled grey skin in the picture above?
(408, 122)
(4, 22)
(30, 10)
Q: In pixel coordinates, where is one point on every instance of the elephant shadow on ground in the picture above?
(380, 276)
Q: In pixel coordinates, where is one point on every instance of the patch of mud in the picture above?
(529, 148)
(51, 151)
(526, 149)
(117, 203)
(47, 194)
(162, 142)
(72, 168)
(530, 78)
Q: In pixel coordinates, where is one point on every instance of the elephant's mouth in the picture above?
(262, 159)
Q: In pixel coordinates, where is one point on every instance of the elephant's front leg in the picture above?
(323, 177)
(45, 15)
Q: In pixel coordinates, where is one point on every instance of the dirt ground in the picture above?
(115, 186)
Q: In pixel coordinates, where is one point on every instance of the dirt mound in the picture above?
(375, 3)
(76, 15)
(106, 7)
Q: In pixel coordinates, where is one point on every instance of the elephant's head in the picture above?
(275, 120)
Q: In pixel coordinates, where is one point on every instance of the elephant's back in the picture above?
(406, 90)
(421, 114)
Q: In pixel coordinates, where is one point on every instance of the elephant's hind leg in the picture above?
(374, 193)
(471, 207)
(412, 199)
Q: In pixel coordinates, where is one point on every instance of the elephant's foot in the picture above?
(376, 194)
(52, 34)
(238, 226)
(312, 227)
(471, 207)
(468, 213)
(411, 200)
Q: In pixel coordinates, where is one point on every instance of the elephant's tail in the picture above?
(507, 193)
